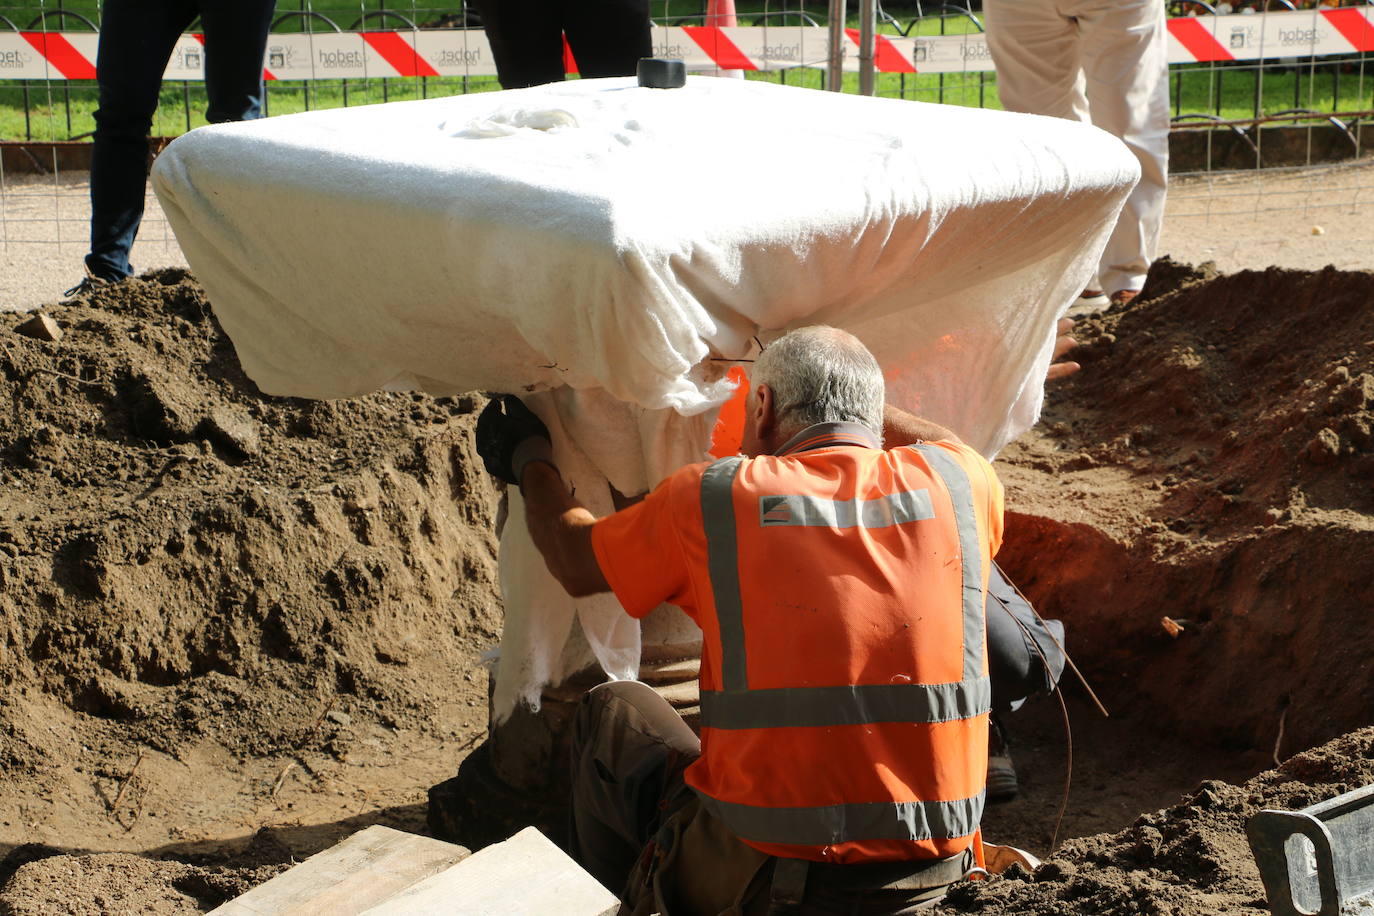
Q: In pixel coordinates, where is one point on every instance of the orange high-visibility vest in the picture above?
(844, 681)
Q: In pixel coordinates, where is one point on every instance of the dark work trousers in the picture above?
(630, 749)
(641, 832)
(1025, 653)
(607, 37)
(136, 40)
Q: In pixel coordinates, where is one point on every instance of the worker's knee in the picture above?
(613, 701)
(616, 705)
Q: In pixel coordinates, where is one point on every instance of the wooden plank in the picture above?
(526, 875)
(687, 693)
(685, 669)
(363, 870)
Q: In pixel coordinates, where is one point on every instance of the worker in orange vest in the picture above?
(845, 691)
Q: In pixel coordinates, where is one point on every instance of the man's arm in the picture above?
(515, 447)
(561, 528)
(901, 428)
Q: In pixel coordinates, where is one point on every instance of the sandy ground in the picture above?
(44, 232)
(252, 625)
(1300, 218)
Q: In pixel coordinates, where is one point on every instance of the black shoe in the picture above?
(89, 284)
(1002, 785)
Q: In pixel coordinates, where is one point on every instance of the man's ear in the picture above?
(765, 419)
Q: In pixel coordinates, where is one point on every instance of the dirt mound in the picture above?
(35, 882)
(1260, 387)
(195, 577)
(1213, 463)
(1188, 860)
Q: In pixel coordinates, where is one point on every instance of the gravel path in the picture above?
(1300, 218)
(44, 231)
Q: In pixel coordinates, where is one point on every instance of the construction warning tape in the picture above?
(459, 52)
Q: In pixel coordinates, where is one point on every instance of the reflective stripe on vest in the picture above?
(735, 706)
(853, 705)
(795, 509)
(966, 523)
(722, 560)
(823, 825)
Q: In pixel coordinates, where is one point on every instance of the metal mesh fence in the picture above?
(1269, 84)
(1266, 72)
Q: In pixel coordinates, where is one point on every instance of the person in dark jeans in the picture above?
(607, 38)
(136, 40)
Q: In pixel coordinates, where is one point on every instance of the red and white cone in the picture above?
(721, 14)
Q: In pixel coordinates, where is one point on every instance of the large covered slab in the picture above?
(617, 247)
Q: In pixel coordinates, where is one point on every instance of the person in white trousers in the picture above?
(1103, 62)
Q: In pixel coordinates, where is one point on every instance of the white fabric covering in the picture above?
(601, 243)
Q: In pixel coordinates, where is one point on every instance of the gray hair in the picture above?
(821, 374)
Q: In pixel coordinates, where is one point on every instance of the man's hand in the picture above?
(1062, 345)
(509, 436)
(901, 428)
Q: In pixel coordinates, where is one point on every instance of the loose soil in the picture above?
(1213, 464)
(219, 611)
(237, 628)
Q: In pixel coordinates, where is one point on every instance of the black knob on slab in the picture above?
(657, 73)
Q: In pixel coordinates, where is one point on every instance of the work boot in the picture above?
(89, 284)
(1002, 786)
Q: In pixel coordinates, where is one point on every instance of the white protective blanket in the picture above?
(609, 246)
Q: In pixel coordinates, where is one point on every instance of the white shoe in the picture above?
(1090, 298)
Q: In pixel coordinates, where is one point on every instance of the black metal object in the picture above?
(1323, 116)
(658, 73)
(40, 22)
(1318, 861)
(1242, 134)
(763, 17)
(308, 16)
(382, 16)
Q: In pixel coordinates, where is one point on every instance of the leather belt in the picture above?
(791, 876)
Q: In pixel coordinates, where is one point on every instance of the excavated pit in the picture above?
(237, 628)
(1213, 463)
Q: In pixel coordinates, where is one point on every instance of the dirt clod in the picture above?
(40, 327)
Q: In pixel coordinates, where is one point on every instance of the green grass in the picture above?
(61, 111)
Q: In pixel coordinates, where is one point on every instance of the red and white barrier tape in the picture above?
(456, 52)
